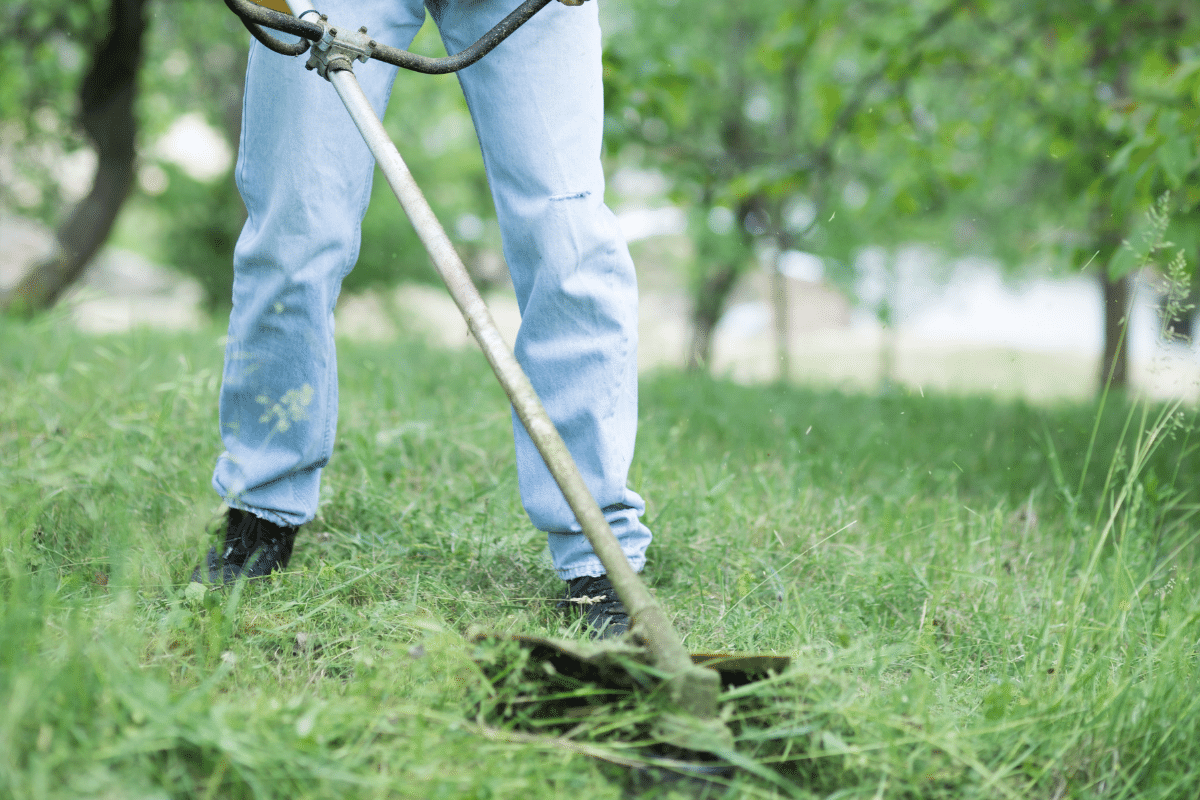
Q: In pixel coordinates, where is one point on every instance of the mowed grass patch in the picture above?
(970, 611)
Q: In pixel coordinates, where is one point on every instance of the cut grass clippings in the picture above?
(971, 610)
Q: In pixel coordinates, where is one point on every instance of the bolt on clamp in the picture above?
(338, 49)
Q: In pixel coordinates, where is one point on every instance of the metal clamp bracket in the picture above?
(338, 49)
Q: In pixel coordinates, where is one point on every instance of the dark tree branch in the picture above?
(107, 95)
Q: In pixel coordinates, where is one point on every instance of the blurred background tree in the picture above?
(174, 191)
(1025, 132)
(43, 45)
(762, 115)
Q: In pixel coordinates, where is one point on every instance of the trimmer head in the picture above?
(624, 664)
(556, 689)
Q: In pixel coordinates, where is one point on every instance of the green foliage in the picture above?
(1101, 96)
(809, 123)
(971, 613)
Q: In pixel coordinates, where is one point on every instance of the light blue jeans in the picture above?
(305, 176)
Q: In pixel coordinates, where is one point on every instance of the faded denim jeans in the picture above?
(305, 175)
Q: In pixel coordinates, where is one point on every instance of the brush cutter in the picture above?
(333, 50)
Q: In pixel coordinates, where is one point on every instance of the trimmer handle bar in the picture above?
(256, 18)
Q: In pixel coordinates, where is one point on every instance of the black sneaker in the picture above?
(604, 615)
(254, 547)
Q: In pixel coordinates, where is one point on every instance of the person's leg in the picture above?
(305, 176)
(537, 104)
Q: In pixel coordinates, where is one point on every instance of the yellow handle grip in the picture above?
(274, 5)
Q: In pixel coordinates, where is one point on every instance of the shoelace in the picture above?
(604, 598)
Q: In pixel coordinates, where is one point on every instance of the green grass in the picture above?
(971, 612)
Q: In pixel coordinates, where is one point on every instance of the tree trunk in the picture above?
(106, 102)
(782, 313)
(710, 304)
(1114, 367)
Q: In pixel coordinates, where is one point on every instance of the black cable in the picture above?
(465, 58)
(254, 17)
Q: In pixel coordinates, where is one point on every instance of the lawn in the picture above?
(981, 599)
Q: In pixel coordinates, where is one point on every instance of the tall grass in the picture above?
(981, 599)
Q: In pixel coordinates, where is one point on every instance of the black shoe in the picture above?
(604, 615)
(253, 547)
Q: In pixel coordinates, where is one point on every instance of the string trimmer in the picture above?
(333, 49)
